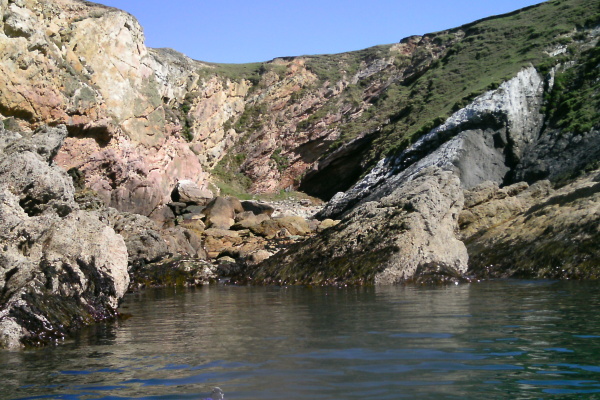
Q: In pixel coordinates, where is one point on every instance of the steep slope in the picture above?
(372, 103)
(85, 65)
(541, 124)
(540, 233)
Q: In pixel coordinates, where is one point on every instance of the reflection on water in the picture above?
(510, 339)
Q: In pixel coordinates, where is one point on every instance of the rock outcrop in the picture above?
(143, 127)
(478, 143)
(381, 242)
(534, 231)
(60, 267)
(493, 141)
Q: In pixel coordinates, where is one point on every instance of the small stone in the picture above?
(327, 223)
(257, 257)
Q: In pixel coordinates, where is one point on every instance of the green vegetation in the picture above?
(230, 181)
(252, 72)
(282, 162)
(489, 52)
(234, 72)
(574, 101)
(332, 67)
(250, 120)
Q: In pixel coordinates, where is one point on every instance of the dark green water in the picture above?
(494, 340)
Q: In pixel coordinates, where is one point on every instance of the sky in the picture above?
(236, 31)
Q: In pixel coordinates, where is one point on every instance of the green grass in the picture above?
(491, 52)
(229, 180)
(234, 72)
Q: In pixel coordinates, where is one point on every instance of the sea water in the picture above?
(489, 340)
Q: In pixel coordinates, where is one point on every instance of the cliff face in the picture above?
(86, 66)
(513, 231)
(60, 267)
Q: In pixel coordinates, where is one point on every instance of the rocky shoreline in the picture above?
(67, 259)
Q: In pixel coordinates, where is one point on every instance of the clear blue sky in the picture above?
(239, 31)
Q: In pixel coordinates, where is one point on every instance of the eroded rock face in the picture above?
(60, 267)
(25, 169)
(382, 242)
(140, 119)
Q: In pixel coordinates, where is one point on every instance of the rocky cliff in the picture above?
(86, 66)
(514, 231)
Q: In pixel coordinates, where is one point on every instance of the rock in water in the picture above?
(217, 394)
(382, 242)
(538, 232)
(60, 267)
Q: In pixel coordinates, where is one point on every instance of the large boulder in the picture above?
(148, 243)
(188, 191)
(60, 267)
(220, 213)
(248, 219)
(381, 242)
(144, 241)
(283, 226)
(258, 208)
(58, 273)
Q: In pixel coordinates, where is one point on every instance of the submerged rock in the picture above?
(176, 271)
(216, 394)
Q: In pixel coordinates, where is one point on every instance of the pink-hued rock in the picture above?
(129, 178)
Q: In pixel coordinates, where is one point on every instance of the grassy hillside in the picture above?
(395, 94)
(490, 52)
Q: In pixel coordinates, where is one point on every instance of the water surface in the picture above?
(506, 339)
